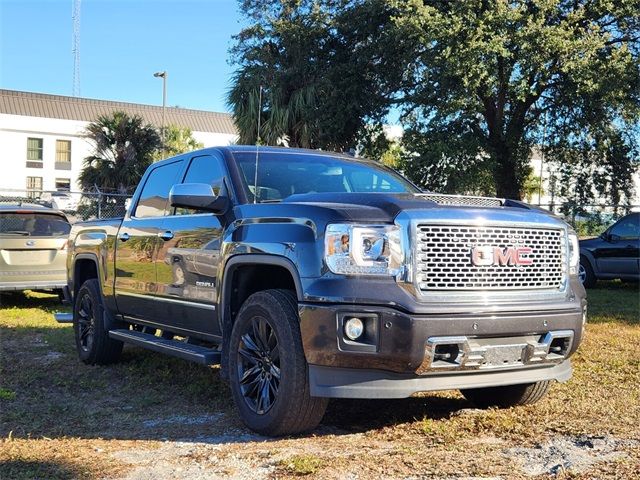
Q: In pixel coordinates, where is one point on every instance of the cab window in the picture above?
(628, 228)
(203, 169)
(155, 193)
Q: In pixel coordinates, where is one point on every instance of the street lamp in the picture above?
(163, 75)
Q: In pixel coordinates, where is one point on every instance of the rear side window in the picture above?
(16, 224)
(155, 193)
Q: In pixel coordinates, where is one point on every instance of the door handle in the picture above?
(123, 237)
(166, 235)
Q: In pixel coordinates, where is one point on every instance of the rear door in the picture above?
(32, 248)
(187, 263)
(138, 241)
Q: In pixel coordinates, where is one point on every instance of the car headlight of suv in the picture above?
(363, 249)
(574, 253)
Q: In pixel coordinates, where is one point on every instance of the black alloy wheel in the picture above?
(91, 322)
(259, 365)
(268, 371)
(86, 322)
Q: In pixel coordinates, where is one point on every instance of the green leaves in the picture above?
(123, 149)
(473, 80)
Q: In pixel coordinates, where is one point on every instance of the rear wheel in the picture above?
(267, 368)
(507, 396)
(92, 339)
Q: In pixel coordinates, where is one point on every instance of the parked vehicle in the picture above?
(615, 254)
(64, 201)
(310, 275)
(33, 243)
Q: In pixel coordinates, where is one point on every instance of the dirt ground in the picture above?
(155, 417)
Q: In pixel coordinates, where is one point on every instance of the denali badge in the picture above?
(486, 255)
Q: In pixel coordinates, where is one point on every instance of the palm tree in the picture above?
(124, 148)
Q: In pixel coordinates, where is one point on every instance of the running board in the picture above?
(186, 351)
(63, 317)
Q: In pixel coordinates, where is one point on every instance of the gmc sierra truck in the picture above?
(309, 275)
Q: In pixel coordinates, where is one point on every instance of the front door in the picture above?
(620, 253)
(187, 262)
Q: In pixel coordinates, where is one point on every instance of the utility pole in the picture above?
(163, 75)
(75, 47)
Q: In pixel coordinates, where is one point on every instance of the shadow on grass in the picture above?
(150, 396)
(28, 299)
(26, 469)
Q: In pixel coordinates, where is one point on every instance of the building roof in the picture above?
(30, 104)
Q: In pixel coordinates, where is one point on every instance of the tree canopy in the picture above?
(478, 83)
(177, 140)
(123, 149)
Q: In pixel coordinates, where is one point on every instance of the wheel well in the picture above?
(83, 270)
(249, 279)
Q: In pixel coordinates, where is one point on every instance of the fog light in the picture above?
(353, 328)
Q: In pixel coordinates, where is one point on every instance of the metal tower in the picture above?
(75, 47)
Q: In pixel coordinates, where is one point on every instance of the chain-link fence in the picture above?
(587, 220)
(78, 206)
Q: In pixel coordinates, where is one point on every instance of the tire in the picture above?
(507, 396)
(585, 272)
(92, 339)
(270, 383)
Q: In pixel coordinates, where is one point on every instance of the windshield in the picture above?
(283, 174)
(33, 225)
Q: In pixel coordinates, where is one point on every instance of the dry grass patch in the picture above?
(62, 419)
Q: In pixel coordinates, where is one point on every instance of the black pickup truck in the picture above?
(310, 275)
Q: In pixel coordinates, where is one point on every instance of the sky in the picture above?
(122, 43)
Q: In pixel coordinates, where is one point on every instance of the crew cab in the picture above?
(310, 275)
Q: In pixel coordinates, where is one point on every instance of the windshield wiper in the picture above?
(16, 232)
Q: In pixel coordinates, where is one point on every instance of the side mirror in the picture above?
(605, 236)
(200, 196)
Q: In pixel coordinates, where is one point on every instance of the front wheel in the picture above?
(586, 275)
(267, 368)
(92, 339)
(507, 396)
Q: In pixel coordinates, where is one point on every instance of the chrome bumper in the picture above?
(463, 353)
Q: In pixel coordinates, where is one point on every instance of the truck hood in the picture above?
(385, 207)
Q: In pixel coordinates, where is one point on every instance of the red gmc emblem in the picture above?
(486, 255)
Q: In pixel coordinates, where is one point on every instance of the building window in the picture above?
(63, 184)
(63, 150)
(34, 152)
(34, 187)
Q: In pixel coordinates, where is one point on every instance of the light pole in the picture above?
(163, 75)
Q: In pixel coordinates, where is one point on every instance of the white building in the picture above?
(42, 144)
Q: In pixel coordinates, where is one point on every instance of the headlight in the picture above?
(363, 250)
(574, 253)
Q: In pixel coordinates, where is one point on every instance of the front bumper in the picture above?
(360, 383)
(399, 359)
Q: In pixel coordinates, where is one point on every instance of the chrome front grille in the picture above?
(444, 258)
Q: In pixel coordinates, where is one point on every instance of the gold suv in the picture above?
(33, 248)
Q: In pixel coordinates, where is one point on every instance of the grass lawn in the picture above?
(61, 419)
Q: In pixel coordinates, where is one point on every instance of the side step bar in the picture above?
(63, 317)
(176, 348)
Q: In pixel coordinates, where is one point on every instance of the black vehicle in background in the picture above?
(615, 254)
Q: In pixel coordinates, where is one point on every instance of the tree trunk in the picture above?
(506, 177)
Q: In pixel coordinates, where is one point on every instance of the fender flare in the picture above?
(107, 318)
(225, 292)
